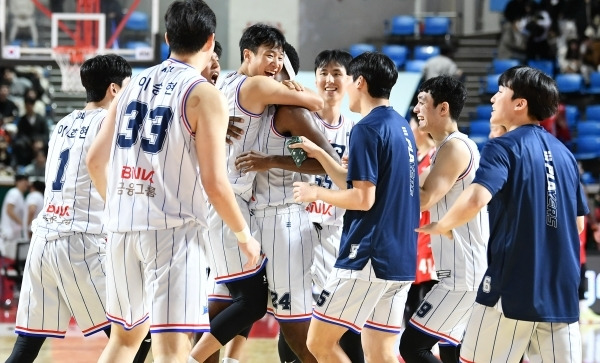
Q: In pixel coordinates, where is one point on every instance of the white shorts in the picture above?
(444, 313)
(326, 252)
(63, 278)
(492, 337)
(217, 292)
(222, 251)
(355, 303)
(157, 275)
(287, 237)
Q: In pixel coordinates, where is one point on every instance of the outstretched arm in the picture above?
(260, 91)
(336, 172)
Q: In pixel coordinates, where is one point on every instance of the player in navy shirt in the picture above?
(536, 206)
(380, 192)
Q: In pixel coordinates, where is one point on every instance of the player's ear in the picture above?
(210, 43)
(166, 38)
(445, 108)
(246, 54)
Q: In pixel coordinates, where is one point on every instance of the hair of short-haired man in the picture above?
(260, 34)
(97, 73)
(446, 89)
(189, 24)
(20, 177)
(218, 49)
(292, 55)
(38, 185)
(378, 70)
(536, 87)
(329, 56)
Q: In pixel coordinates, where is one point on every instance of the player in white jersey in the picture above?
(286, 234)
(461, 262)
(64, 274)
(249, 91)
(34, 203)
(166, 126)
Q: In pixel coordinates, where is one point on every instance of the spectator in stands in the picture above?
(5, 157)
(514, 10)
(512, 43)
(571, 60)
(8, 109)
(442, 65)
(37, 168)
(17, 84)
(537, 30)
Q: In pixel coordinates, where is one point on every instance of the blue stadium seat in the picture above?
(572, 115)
(138, 21)
(164, 51)
(414, 65)
(489, 84)
(436, 25)
(569, 83)
(424, 52)
(501, 65)
(588, 128)
(483, 112)
(546, 66)
(397, 53)
(594, 87)
(592, 112)
(479, 128)
(587, 147)
(360, 48)
(136, 44)
(402, 25)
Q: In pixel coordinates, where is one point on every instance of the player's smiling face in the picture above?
(331, 81)
(267, 61)
(427, 113)
(502, 105)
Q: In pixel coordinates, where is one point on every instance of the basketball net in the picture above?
(69, 60)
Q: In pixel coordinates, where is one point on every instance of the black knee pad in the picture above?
(26, 349)
(415, 346)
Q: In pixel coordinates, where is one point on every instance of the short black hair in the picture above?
(292, 55)
(260, 34)
(536, 87)
(38, 185)
(329, 56)
(218, 49)
(99, 72)
(446, 89)
(378, 70)
(20, 177)
(189, 24)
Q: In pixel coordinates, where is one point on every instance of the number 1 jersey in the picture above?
(153, 180)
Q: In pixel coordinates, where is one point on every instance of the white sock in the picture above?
(192, 360)
(230, 360)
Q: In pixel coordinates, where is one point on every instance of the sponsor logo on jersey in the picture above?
(550, 190)
(320, 207)
(137, 173)
(61, 210)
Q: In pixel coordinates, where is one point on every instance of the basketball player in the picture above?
(213, 69)
(286, 234)
(34, 203)
(377, 259)
(166, 125)
(64, 273)
(461, 262)
(527, 300)
(248, 91)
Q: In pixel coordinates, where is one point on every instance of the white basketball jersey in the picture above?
(153, 179)
(241, 182)
(275, 187)
(338, 135)
(461, 262)
(71, 202)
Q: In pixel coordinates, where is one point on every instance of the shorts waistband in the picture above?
(281, 209)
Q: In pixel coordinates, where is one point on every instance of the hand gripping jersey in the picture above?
(153, 181)
(71, 202)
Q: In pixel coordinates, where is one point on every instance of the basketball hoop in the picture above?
(69, 59)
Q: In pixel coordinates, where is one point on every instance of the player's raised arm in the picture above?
(99, 153)
(207, 111)
(332, 166)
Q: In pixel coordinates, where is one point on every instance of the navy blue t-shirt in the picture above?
(382, 151)
(533, 250)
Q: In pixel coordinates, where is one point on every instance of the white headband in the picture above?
(288, 67)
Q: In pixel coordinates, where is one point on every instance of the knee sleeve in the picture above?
(450, 353)
(352, 346)
(26, 349)
(249, 304)
(415, 346)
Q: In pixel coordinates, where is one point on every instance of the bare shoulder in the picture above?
(293, 112)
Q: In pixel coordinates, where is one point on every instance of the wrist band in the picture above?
(244, 235)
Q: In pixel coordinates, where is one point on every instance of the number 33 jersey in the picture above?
(153, 180)
(71, 203)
